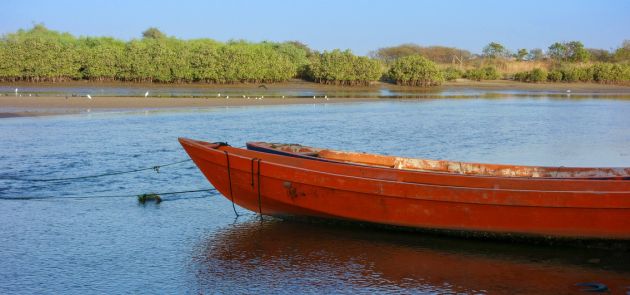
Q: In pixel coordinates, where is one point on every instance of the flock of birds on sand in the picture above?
(146, 95)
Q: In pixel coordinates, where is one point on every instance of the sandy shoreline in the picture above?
(54, 105)
(22, 106)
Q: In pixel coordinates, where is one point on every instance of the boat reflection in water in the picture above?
(294, 257)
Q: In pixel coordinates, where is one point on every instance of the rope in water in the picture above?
(105, 196)
(156, 168)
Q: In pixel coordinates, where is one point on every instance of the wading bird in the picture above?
(88, 96)
(146, 94)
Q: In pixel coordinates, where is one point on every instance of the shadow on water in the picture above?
(286, 254)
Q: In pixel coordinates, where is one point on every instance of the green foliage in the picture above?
(554, 76)
(600, 55)
(440, 54)
(343, 68)
(475, 74)
(495, 50)
(41, 55)
(153, 33)
(142, 199)
(415, 70)
(572, 73)
(521, 76)
(491, 73)
(573, 51)
(622, 54)
(487, 73)
(452, 73)
(521, 54)
(608, 73)
(557, 51)
(537, 75)
(536, 54)
(534, 76)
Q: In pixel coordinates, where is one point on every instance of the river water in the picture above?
(86, 235)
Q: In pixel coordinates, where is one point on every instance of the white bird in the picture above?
(16, 90)
(88, 96)
(227, 97)
(326, 96)
(262, 97)
(146, 94)
(283, 96)
(244, 96)
(218, 94)
(313, 96)
(568, 90)
(248, 97)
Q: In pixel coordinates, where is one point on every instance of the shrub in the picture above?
(452, 73)
(487, 73)
(491, 73)
(475, 74)
(610, 73)
(343, 68)
(575, 74)
(537, 75)
(415, 70)
(521, 76)
(554, 76)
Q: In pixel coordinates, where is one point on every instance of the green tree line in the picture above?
(40, 55)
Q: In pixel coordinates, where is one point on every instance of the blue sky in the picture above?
(360, 25)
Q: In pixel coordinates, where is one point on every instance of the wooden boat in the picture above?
(281, 186)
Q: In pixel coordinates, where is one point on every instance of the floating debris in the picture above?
(149, 197)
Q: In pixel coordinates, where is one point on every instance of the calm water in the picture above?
(192, 243)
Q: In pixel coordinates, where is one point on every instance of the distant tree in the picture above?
(494, 50)
(536, 54)
(557, 51)
(389, 54)
(600, 55)
(439, 54)
(153, 33)
(623, 53)
(521, 54)
(576, 52)
(569, 51)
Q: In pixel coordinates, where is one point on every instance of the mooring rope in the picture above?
(105, 196)
(259, 200)
(156, 168)
(227, 158)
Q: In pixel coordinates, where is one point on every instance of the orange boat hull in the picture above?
(279, 186)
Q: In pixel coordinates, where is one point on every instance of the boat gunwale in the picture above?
(624, 171)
